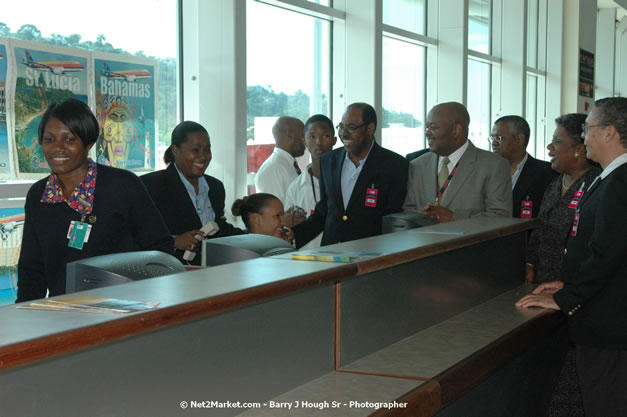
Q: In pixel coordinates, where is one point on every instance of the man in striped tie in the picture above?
(280, 169)
(456, 180)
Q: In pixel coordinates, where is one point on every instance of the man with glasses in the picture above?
(359, 183)
(594, 288)
(530, 176)
(456, 180)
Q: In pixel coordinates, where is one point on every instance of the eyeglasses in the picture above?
(349, 128)
(496, 138)
(585, 127)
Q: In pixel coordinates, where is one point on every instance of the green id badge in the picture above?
(77, 235)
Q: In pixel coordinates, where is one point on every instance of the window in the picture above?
(402, 122)
(535, 113)
(287, 74)
(479, 25)
(408, 15)
(479, 79)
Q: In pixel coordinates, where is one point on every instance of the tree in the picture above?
(28, 32)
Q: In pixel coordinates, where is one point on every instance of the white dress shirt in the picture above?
(276, 174)
(301, 193)
(350, 174)
(519, 169)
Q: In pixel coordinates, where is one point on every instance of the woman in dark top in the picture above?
(82, 209)
(568, 157)
(185, 196)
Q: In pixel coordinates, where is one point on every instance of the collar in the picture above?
(82, 199)
(284, 154)
(455, 156)
(203, 187)
(613, 165)
(347, 158)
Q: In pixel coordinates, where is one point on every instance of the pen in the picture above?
(321, 258)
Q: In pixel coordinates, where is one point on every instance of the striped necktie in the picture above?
(297, 168)
(444, 173)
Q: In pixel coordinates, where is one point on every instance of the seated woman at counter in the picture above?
(186, 197)
(568, 157)
(81, 209)
(262, 214)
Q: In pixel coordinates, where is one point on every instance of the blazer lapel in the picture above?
(524, 179)
(337, 175)
(364, 180)
(178, 192)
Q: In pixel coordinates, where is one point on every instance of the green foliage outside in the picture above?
(166, 82)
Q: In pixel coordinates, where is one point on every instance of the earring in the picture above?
(576, 154)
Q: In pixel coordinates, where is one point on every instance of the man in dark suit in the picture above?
(359, 183)
(530, 176)
(594, 289)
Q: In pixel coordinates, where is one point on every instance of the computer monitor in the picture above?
(399, 222)
(225, 250)
(119, 268)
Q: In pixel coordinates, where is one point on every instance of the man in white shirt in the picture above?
(304, 191)
(281, 168)
(456, 180)
(530, 176)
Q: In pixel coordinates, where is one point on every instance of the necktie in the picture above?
(443, 175)
(298, 169)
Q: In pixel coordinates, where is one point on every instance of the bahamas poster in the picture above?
(4, 104)
(125, 104)
(45, 74)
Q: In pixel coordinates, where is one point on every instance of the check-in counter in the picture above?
(427, 320)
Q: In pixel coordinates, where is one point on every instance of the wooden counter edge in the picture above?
(390, 260)
(476, 368)
(151, 320)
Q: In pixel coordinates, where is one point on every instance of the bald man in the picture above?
(456, 180)
(280, 169)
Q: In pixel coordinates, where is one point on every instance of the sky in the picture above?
(122, 22)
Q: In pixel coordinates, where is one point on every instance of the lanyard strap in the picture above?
(313, 189)
(446, 183)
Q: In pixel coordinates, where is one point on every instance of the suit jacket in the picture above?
(178, 211)
(413, 155)
(481, 185)
(535, 176)
(384, 170)
(595, 266)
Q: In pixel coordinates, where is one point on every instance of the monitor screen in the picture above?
(224, 250)
(118, 268)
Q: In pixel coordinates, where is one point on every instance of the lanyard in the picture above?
(313, 189)
(446, 183)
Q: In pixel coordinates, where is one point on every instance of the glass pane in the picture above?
(403, 94)
(479, 25)
(405, 14)
(479, 103)
(532, 112)
(291, 78)
(322, 2)
(11, 228)
(532, 33)
(117, 33)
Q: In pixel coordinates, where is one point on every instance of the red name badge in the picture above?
(573, 232)
(371, 197)
(575, 201)
(526, 209)
(311, 212)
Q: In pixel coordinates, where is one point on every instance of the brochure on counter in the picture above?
(90, 305)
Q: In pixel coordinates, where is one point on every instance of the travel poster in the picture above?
(125, 103)
(45, 74)
(4, 130)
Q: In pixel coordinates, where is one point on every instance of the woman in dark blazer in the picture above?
(185, 196)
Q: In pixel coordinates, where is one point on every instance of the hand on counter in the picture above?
(441, 214)
(542, 296)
